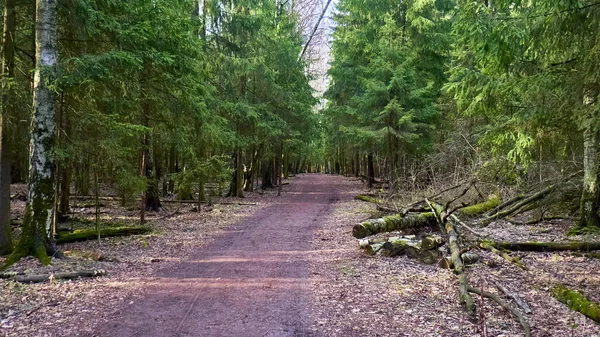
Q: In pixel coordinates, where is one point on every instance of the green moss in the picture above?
(577, 302)
(481, 208)
(91, 234)
(392, 222)
(367, 198)
(425, 215)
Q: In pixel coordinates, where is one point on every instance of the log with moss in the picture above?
(514, 260)
(442, 216)
(467, 259)
(393, 223)
(546, 246)
(37, 278)
(400, 246)
(431, 242)
(577, 302)
(480, 208)
(364, 243)
(367, 198)
(92, 234)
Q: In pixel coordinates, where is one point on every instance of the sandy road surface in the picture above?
(251, 281)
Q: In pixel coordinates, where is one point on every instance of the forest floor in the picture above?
(283, 266)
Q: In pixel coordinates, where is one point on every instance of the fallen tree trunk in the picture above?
(431, 242)
(459, 268)
(58, 276)
(364, 243)
(518, 205)
(467, 259)
(448, 226)
(520, 302)
(546, 246)
(514, 260)
(367, 198)
(577, 302)
(92, 234)
(392, 223)
(504, 305)
(480, 208)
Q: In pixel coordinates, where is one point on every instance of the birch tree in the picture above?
(36, 239)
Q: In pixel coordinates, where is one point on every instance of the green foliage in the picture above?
(386, 75)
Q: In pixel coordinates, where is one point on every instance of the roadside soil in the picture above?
(284, 266)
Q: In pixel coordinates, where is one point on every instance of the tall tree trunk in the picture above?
(35, 239)
(279, 167)
(236, 188)
(267, 175)
(590, 197)
(370, 170)
(6, 111)
(65, 172)
(151, 199)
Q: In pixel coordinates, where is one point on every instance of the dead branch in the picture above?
(504, 305)
(520, 302)
(511, 259)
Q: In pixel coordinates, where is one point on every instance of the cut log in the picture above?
(58, 276)
(92, 234)
(373, 248)
(431, 242)
(429, 256)
(547, 246)
(504, 305)
(392, 223)
(363, 243)
(467, 258)
(577, 302)
(400, 246)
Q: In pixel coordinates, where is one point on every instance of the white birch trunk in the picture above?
(37, 222)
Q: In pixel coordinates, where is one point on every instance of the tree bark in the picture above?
(392, 223)
(35, 239)
(58, 276)
(370, 171)
(590, 197)
(6, 111)
(546, 246)
(91, 234)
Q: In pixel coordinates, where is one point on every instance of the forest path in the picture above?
(253, 280)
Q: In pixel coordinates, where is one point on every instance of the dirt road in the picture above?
(251, 281)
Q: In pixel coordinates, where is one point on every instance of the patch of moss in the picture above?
(367, 198)
(92, 234)
(481, 208)
(577, 302)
